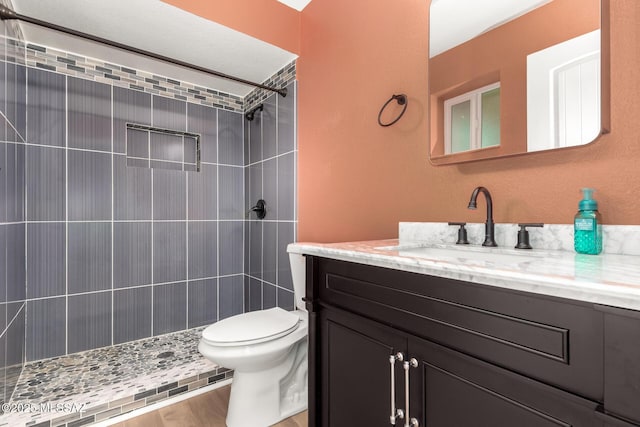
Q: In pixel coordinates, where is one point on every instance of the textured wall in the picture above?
(357, 179)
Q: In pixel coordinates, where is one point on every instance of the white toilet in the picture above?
(268, 351)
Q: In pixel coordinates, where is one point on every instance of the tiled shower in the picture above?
(106, 240)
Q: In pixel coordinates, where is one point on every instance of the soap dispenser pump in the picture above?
(587, 225)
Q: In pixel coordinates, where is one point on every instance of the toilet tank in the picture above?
(297, 262)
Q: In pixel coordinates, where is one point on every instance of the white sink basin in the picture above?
(466, 254)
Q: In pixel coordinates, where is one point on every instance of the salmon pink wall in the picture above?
(357, 179)
(267, 20)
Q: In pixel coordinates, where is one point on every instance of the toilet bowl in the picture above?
(267, 349)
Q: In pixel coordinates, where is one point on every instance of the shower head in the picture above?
(250, 114)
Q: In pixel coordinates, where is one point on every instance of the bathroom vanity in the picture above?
(547, 339)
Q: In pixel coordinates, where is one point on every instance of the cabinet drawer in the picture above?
(556, 341)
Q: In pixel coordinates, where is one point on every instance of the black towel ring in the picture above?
(402, 100)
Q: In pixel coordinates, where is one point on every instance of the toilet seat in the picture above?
(251, 328)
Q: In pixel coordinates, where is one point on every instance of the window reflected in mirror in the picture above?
(472, 120)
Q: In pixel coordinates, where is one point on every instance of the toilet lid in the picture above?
(253, 327)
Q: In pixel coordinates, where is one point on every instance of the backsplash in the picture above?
(617, 239)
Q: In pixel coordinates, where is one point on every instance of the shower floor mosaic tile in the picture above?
(83, 388)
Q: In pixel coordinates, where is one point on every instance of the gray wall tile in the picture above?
(172, 166)
(131, 314)
(89, 321)
(255, 138)
(255, 187)
(15, 349)
(46, 172)
(169, 195)
(169, 251)
(269, 140)
(46, 104)
(15, 335)
(3, 269)
(230, 138)
(16, 275)
(16, 97)
(46, 328)
(286, 235)
(269, 293)
(3, 326)
(203, 121)
(15, 190)
(137, 142)
(131, 191)
(285, 299)
(190, 153)
(169, 113)
(89, 186)
(203, 193)
(89, 114)
(231, 296)
(131, 254)
(203, 302)
(167, 147)
(247, 140)
(203, 249)
(255, 248)
(287, 120)
(232, 205)
(286, 187)
(129, 106)
(169, 308)
(255, 295)
(269, 251)
(270, 187)
(46, 259)
(3, 176)
(231, 240)
(3, 346)
(89, 255)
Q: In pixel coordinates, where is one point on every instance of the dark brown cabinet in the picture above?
(472, 355)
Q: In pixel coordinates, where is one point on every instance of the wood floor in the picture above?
(205, 410)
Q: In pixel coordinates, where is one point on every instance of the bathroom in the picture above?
(339, 175)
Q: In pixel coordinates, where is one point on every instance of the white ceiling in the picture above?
(452, 22)
(157, 27)
(296, 4)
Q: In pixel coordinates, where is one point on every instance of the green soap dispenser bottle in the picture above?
(587, 225)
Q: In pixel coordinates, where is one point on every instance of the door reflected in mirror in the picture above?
(512, 77)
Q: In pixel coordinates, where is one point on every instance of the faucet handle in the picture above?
(523, 234)
(462, 233)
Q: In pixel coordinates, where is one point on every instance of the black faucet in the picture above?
(489, 226)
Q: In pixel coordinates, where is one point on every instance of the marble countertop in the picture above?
(607, 279)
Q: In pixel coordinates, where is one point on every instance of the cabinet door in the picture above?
(355, 372)
(450, 389)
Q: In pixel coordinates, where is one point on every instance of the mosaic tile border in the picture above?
(95, 385)
(280, 79)
(51, 59)
(47, 58)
